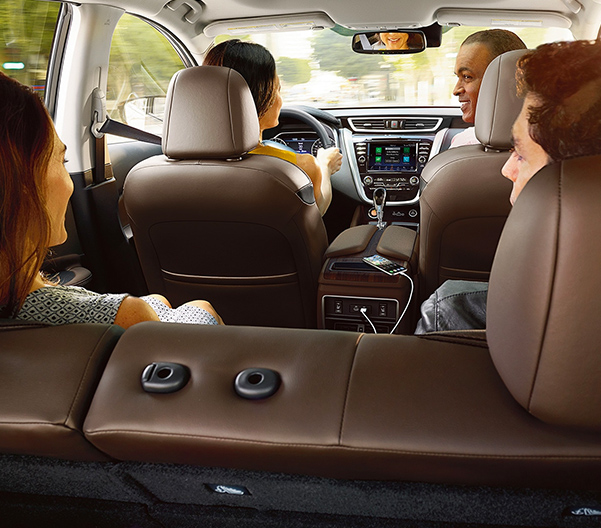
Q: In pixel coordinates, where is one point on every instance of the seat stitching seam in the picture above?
(547, 315)
(84, 377)
(346, 447)
(348, 389)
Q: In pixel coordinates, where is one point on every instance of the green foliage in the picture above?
(141, 54)
(27, 29)
(333, 53)
(294, 71)
(141, 64)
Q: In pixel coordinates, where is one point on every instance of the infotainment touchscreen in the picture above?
(399, 157)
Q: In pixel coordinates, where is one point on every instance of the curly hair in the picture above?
(564, 79)
(254, 62)
(26, 145)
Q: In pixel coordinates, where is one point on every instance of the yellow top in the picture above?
(267, 150)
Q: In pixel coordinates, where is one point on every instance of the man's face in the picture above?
(528, 157)
(470, 65)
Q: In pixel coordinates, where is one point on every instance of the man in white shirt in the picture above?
(560, 120)
(475, 54)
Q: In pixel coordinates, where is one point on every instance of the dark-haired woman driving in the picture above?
(256, 64)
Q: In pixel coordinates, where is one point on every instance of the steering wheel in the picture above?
(308, 119)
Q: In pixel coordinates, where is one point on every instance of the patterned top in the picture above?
(184, 314)
(60, 305)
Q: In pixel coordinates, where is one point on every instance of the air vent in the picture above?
(421, 124)
(394, 124)
(368, 124)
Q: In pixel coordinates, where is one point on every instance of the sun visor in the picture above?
(501, 18)
(244, 26)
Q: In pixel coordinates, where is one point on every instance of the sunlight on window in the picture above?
(27, 29)
(320, 69)
(141, 65)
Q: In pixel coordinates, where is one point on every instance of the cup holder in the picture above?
(257, 383)
(164, 377)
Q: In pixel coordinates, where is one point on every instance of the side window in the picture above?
(27, 28)
(141, 65)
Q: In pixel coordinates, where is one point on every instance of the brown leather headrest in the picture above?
(209, 113)
(544, 303)
(498, 103)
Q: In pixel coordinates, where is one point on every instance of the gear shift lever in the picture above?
(379, 201)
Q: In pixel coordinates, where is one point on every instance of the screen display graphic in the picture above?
(392, 158)
(302, 146)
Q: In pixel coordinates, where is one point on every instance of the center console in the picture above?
(393, 161)
(392, 164)
(353, 295)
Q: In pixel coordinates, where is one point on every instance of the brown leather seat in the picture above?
(438, 408)
(544, 298)
(465, 201)
(212, 222)
(48, 375)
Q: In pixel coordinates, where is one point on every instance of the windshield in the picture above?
(319, 68)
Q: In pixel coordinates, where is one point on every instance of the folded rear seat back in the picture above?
(48, 375)
(350, 406)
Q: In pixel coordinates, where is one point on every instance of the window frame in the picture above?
(56, 59)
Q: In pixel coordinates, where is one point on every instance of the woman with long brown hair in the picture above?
(35, 188)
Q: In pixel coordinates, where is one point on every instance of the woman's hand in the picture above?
(319, 169)
(330, 158)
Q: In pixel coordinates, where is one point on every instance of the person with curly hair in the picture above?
(560, 119)
(561, 115)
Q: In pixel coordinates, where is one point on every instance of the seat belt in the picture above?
(121, 129)
(98, 109)
(102, 124)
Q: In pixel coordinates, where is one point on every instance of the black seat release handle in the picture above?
(257, 383)
(164, 377)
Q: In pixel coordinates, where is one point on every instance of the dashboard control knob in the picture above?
(414, 180)
(368, 180)
(412, 213)
(361, 159)
(422, 159)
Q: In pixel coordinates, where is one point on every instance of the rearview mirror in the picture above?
(389, 43)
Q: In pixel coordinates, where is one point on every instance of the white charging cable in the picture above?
(363, 310)
(408, 302)
(364, 313)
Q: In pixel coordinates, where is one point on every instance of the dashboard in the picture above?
(383, 147)
(300, 142)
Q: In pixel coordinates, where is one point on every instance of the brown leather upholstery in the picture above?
(350, 406)
(47, 378)
(351, 240)
(465, 201)
(544, 300)
(211, 222)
